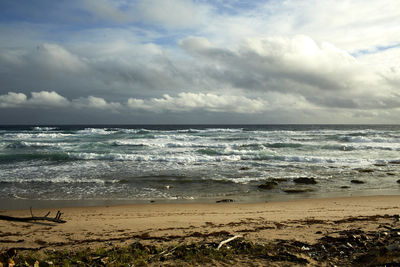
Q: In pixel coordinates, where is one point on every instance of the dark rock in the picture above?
(391, 173)
(357, 182)
(380, 164)
(394, 162)
(398, 181)
(268, 185)
(304, 180)
(225, 200)
(244, 168)
(345, 187)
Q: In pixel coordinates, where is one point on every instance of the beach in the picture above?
(166, 225)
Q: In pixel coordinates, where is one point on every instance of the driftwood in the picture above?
(227, 241)
(56, 219)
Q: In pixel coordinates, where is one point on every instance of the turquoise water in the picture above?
(195, 163)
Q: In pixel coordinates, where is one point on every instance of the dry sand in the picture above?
(167, 224)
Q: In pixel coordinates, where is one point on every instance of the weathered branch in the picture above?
(56, 219)
(227, 241)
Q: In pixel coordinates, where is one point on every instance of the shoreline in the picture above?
(25, 204)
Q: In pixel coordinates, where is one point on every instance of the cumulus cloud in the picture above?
(50, 99)
(320, 72)
(46, 99)
(298, 59)
(12, 99)
(95, 102)
(200, 101)
(53, 56)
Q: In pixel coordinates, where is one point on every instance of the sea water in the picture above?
(139, 163)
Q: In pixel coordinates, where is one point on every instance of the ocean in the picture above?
(97, 164)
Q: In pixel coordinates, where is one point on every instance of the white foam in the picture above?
(45, 128)
(100, 131)
(363, 139)
(128, 142)
(55, 180)
(41, 135)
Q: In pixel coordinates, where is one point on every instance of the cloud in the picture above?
(53, 56)
(298, 59)
(108, 10)
(46, 99)
(280, 61)
(174, 13)
(352, 25)
(163, 14)
(199, 101)
(12, 99)
(95, 102)
(320, 72)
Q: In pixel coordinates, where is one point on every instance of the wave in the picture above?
(189, 131)
(40, 135)
(291, 158)
(8, 158)
(57, 180)
(253, 146)
(131, 143)
(283, 145)
(98, 131)
(338, 147)
(363, 139)
(24, 144)
(45, 128)
(227, 130)
(208, 151)
(170, 158)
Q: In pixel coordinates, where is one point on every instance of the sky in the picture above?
(199, 61)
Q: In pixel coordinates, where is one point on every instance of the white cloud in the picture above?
(95, 102)
(351, 25)
(108, 10)
(37, 99)
(194, 43)
(163, 13)
(174, 13)
(56, 57)
(297, 59)
(46, 99)
(12, 99)
(200, 101)
(50, 99)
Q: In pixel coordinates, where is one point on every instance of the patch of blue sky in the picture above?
(374, 50)
(233, 7)
(42, 11)
(63, 13)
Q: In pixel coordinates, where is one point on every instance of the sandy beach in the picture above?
(306, 221)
